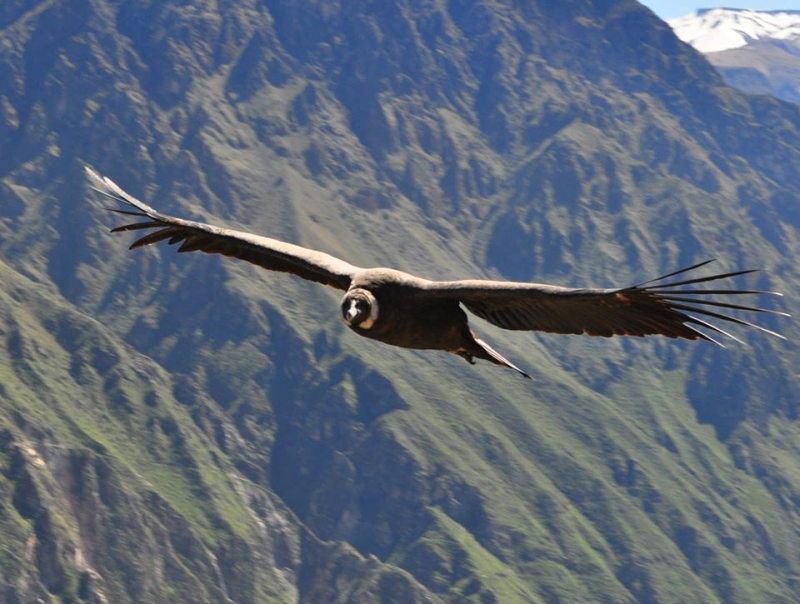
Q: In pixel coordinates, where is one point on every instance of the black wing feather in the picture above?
(652, 307)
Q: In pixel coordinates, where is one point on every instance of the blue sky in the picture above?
(667, 9)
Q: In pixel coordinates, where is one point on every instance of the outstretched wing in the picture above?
(267, 253)
(670, 309)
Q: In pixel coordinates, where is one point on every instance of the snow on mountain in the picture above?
(717, 29)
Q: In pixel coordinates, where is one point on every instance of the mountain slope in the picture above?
(266, 453)
(767, 67)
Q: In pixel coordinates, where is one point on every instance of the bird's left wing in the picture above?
(267, 253)
(675, 309)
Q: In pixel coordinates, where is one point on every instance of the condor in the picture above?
(404, 310)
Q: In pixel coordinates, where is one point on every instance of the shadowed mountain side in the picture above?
(219, 425)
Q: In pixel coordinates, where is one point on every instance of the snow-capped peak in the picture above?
(716, 29)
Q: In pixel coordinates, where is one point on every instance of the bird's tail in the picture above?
(488, 353)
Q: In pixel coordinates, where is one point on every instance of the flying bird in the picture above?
(404, 310)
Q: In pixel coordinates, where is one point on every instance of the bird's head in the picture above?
(359, 308)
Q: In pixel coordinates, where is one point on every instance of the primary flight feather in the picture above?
(404, 310)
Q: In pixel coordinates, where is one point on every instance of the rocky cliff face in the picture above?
(191, 429)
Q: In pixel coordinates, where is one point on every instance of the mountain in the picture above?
(185, 428)
(755, 51)
(717, 29)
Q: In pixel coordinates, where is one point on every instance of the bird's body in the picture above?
(423, 326)
(404, 310)
(404, 319)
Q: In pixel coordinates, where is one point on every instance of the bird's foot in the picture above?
(465, 355)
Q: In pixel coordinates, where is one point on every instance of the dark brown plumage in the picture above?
(404, 310)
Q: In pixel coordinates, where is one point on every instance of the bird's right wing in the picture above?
(670, 309)
(267, 253)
